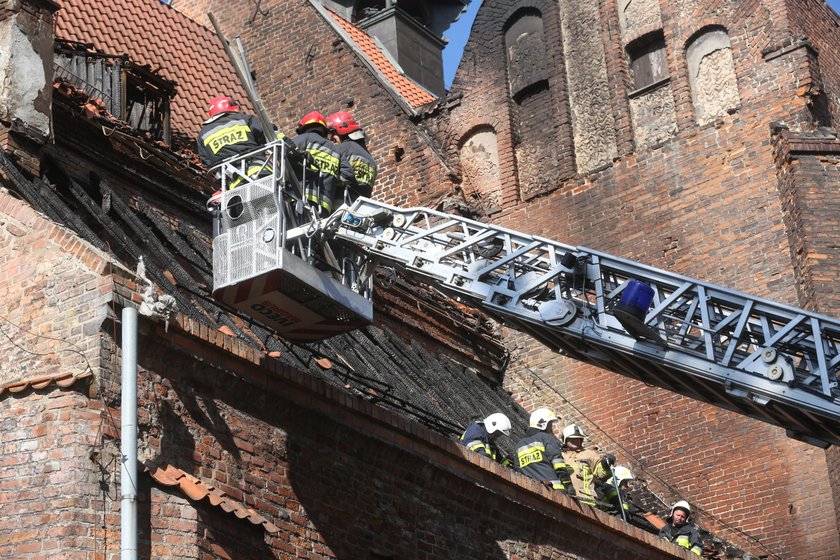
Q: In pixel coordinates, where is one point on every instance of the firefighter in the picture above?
(539, 454)
(679, 531)
(351, 142)
(481, 437)
(613, 494)
(228, 132)
(591, 468)
(325, 165)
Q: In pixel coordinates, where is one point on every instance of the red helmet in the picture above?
(343, 123)
(222, 104)
(312, 118)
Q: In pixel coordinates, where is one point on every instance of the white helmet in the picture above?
(497, 422)
(572, 431)
(620, 474)
(683, 505)
(540, 418)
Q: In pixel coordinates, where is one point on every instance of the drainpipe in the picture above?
(128, 440)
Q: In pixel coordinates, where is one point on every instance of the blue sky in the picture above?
(457, 36)
(460, 30)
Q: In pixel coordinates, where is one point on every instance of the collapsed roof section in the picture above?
(162, 39)
(128, 197)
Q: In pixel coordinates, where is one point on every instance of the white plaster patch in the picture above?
(22, 79)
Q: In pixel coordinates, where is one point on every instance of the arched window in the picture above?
(652, 108)
(480, 166)
(525, 48)
(711, 73)
(532, 108)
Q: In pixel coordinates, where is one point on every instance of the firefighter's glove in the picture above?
(608, 461)
(296, 155)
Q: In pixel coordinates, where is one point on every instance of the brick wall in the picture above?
(334, 475)
(341, 477)
(47, 487)
(704, 201)
(36, 259)
(809, 176)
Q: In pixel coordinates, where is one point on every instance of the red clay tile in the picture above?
(159, 36)
(197, 490)
(415, 95)
(63, 380)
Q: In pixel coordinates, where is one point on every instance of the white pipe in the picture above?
(128, 439)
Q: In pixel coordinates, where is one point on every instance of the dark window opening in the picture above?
(129, 92)
(146, 109)
(648, 61)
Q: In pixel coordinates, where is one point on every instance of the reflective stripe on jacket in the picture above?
(362, 173)
(323, 182)
(589, 472)
(228, 135)
(685, 536)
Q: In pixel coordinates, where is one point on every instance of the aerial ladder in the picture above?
(309, 278)
(762, 359)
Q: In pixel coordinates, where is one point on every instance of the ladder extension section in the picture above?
(769, 361)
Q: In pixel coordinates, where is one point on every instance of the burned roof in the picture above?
(139, 205)
(163, 39)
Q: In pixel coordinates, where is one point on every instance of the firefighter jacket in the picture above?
(610, 501)
(476, 438)
(685, 536)
(359, 178)
(590, 472)
(539, 456)
(227, 135)
(324, 172)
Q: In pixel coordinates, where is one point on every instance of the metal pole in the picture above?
(618, 493)
(128, 437)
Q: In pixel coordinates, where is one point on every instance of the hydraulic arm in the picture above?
(769, 361)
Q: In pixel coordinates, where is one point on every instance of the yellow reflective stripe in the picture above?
(560, 465)
(476, 445)
(363, 172)
(323, 203)
(586, 476)
(532, 453)
(599, 471)
(227, 136)
(327, 163)
(683, 541)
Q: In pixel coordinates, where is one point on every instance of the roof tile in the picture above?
(159, 36)
(413, 93)
(197, 490)
(63, 380)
